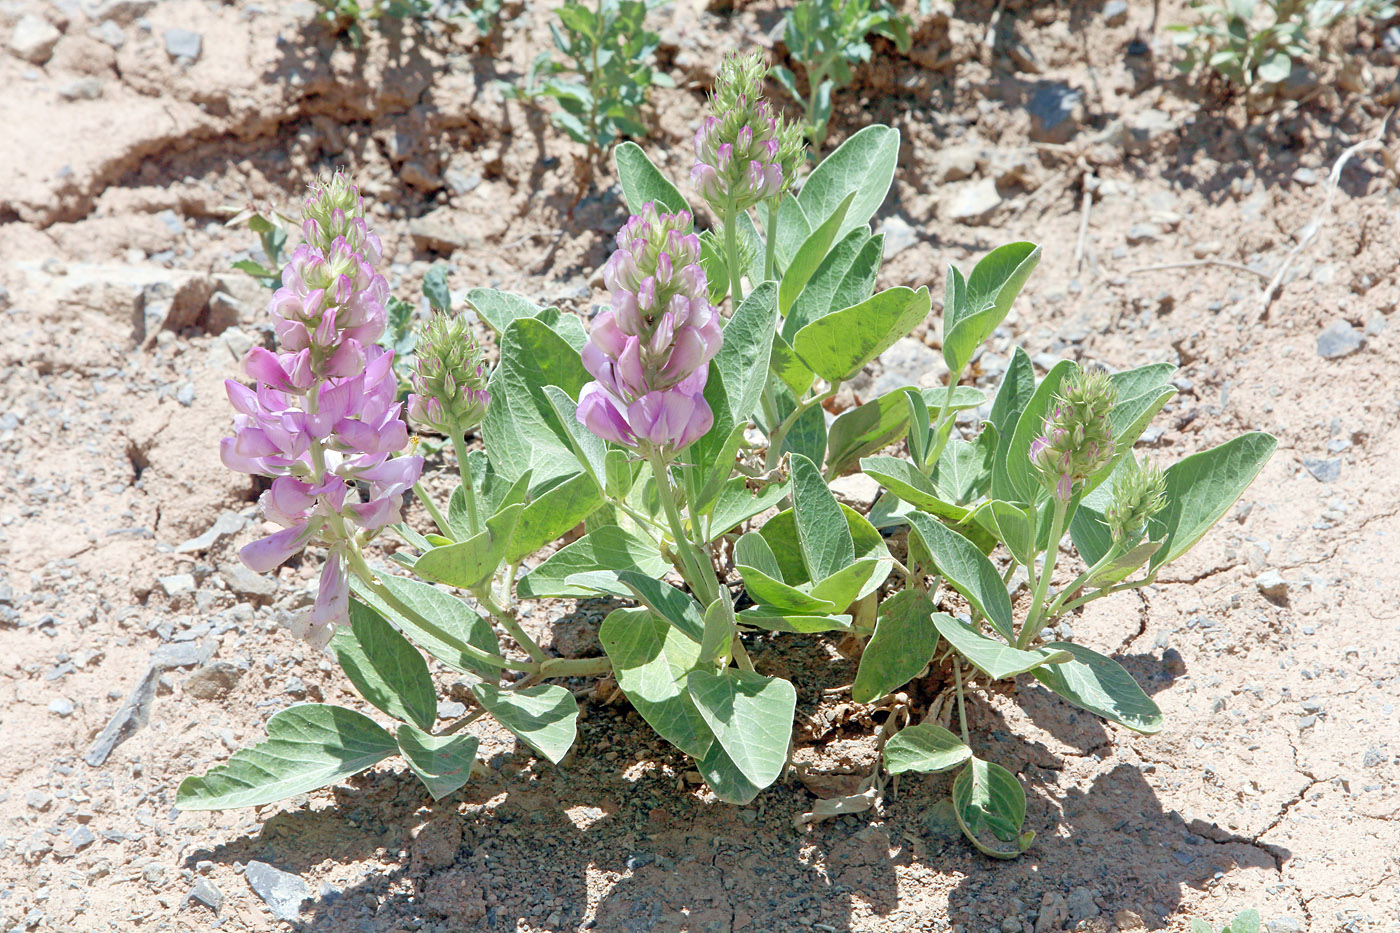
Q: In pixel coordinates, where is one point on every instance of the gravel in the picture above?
(282, 891)
(1337, 340)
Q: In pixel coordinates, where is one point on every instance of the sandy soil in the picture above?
(1273, 650)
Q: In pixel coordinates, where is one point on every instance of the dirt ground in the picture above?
(1273, 649)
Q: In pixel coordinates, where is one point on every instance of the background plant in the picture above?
(827, 37)
(608, 52)
(1247, 42)
(640, 431)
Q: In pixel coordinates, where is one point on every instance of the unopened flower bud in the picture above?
(1076, 439)
(449, 378)
(1138, 494)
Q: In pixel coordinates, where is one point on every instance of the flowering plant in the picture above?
(686, 432)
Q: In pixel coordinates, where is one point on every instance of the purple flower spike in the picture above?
(324, 414)
(650, 354)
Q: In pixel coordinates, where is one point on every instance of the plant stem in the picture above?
(433, 512)
(702, 583)
(731, 254)
(770, 251)
(464, 469)
(509, 622)
(1052, 552)
(962, 710)
(940, 431)
(1109, 590)
(741, 657)
(775, 439)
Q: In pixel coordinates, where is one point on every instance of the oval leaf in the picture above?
(751, 717)
(385, 669)
(543, 717)
(1099, 684)
(901, 647)
(926, 747)
(442, 762)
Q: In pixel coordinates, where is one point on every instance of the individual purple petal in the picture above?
(268, 553)
(332, 606)
(601, 413)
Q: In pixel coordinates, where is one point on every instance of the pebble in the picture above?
(183, 44)
(226, 524)
(1272, 586)
(460, 182)
(1337, 340)
(1143, 233)
(213, 681)
(438, 232)
(1324, 470)
(1285, 925)
(1305, 176)
(34, 38)
(1055, 111)
(61, 707)
(81, 837)
(208, 894)
(909, 362)
(81, 89)
(975, 202)
(243, 582)
(451, 709)
(899, 236)
(1115, 12)
(110, 33)
(282, 891)
(177, 584)
(1080, 904)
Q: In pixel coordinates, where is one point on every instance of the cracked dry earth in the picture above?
(1273, 649)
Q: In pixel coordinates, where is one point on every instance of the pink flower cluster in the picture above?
(650, 354)
(747, 169)
(324, 414)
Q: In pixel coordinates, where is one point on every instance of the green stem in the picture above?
(1055, 607)
(741, 656)
(962, 710)
(770, 251)
(702, 583)
(509, 622)
(775, 440)
(433, 512)
(731, 254)
(1052, 552)
(1109, 590)
(941, 431)
(464, 469)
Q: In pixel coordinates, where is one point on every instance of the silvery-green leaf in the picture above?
(822, 533)
(988, 799)
(651, 659)
(442, 624)
(750, 716)
(1100, 684)
(901, 647)
(864, 165)
(545, 717)
(642, 181)
(608, 548)
(925, 747)
(385, 669)
(442, 762)
(498, 308)
(839, 345)
(996, 659)
(979, 305)
(1202, 487)
(967, 570)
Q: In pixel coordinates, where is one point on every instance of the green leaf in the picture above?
(844, 277)
(964, 469)
(838, 346)
(863, 164)
(988, 799)
(442, 762)
(385, 669)
(1276, 67)
(779, 597)
(452, 624)
(651, 659)
(723, 776)
(737, 503)
(772, 620)
(673, 605)
(918, 437)
(642, 181)
(1246, 922)
(553, 514)
(901, 647)
(544, 717)
(719, 629)
(1014, 394)
(521, 428)
(1012, 525)
(924, 747)
(307, 747)
(1024, 481)
(793, 228)
(470, 563)
(996, 659)
(904, 480)
(435, 288)
(1099, 684)
(880, 422)
(743, 358)
(610, 547)
(788, 367)
(1201, 488)
(822, 532)
(809, 257)
(981, 304)
(967, 570)
(807, 436)
(1121, 567)
(751, 717)
(498, 308)
(590, 449)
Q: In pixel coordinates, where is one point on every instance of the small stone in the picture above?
(1127, 921)
(183, 43)
(81, 89)
(1305, 176)
(283, 892)
(1327, 470)
(459, 182)
(1115, 12)
(37, 800)
(226, 524)
(177, 584)
(975, 202)
(954, 163)
(243, 582)
(1143, 233)
(1284, 925)
(1080, 904)
(1272, 586)
(1055, 110)
(436, 843)
(34, 38)
(81, 837)
(451, 709)
(899, 236)
(436, 232)
(208, 894)
(110, 33)
(62, 707)
(213, 681)
(909, 362)
(1337, 340)
(1374, 758)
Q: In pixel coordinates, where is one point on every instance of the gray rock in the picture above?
(81, 837)
(213, 681)
(975, 202)
(1305, 176)
(1115, 12)
(1337, 340)
(1055, 110)
(1327, 470)
(899, 236)
(955, 163)
(61, 706)
(460, 182)
(434, 231)
(177, 584)
(34, 38)
(81, 89)
(1143, 233)
(1080, 904)
(183, 654)
(1147, 128)
(110, 33)
(226, 524)
(282, 891)
(909, 363)
(243, 582)
(208, 894)
(123, 11)
(1284, 925)
(183, 43)
(131, 715)
(1272, 586)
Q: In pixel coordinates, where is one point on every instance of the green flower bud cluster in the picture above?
(449, 378)
(1077, 436)
(1138, 494)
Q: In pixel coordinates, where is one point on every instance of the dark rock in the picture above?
(1055, 110)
